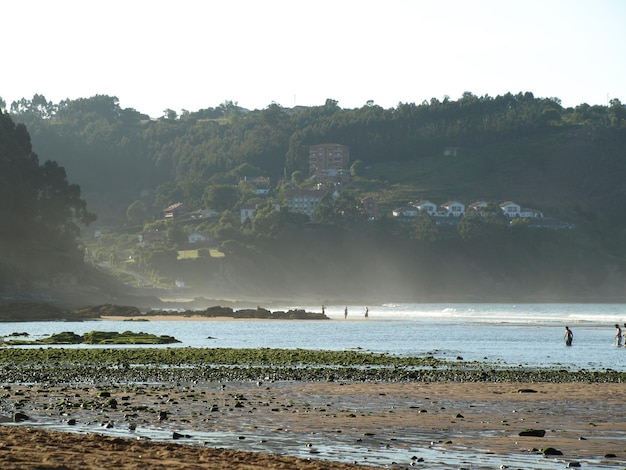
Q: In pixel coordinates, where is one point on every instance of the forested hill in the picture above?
(513, 146)
(568, 163)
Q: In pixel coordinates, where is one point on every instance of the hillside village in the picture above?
(329, 172)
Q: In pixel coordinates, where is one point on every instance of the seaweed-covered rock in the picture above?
(109, 310)
(532, 432)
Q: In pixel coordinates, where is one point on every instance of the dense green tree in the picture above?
(424, 229)
(221, 197)
(40, 210)
(137, 213)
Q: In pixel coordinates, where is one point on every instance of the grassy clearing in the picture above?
(194, 254)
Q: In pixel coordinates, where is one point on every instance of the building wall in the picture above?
(328, 157)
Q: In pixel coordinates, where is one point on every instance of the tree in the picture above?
(221, 197)
(297, 177)
(357, 168)
(40, 210)
(137, 213)
(424, 229)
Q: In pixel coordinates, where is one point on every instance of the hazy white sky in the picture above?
(194, 54)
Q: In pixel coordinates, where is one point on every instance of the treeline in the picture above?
(120, 155)
(40, 211)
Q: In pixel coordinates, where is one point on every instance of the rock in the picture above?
(532, 432)
(551, 451)
(526, 390)
(573, 465)
(18, 417)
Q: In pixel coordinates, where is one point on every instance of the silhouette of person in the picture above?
(618, 335)
(345, 313)
(569, 336)
(367, 312)
(323, 310)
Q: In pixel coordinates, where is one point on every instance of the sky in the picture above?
(194, 54)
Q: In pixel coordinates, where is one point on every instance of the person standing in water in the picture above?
(618, 335)
(569, 336)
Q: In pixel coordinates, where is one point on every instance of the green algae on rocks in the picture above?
(98, 337)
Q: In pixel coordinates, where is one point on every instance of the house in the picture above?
(204, 214)
(248, 210)
(530, 213)
(175, 210)
(304, 201)
(150, 237)
(454, 208)
(260, 184)
(510, 209)
(425, 206)
(406, 212)
(197, 237)
(370, 206)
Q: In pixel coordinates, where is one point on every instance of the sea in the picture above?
(509, 335)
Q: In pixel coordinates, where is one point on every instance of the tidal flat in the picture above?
(335, 407)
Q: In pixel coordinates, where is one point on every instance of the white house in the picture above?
(454, 208)
(304, 200)
(530, 213)
(248, 211)
(510, 209)
(405, 212)
(425, 206)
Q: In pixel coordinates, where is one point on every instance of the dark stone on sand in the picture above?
(526, 390)
(162, 415)
(573, 465)
(551, 451)
(71, 422)
(532, 432)
(459, 415)
(18, 417)
(610, 456)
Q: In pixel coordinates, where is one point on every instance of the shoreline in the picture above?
(438, 422)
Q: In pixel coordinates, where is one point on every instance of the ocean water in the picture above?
(527, 335)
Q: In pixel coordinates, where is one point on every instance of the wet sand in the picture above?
(326, 425)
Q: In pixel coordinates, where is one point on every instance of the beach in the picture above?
(388, 425)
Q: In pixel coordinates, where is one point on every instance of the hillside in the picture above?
(568, 163)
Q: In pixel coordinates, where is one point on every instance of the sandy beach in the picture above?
(419, 421)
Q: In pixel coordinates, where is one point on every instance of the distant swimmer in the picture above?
(569, 336)
(367, 312)
(618, 335)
